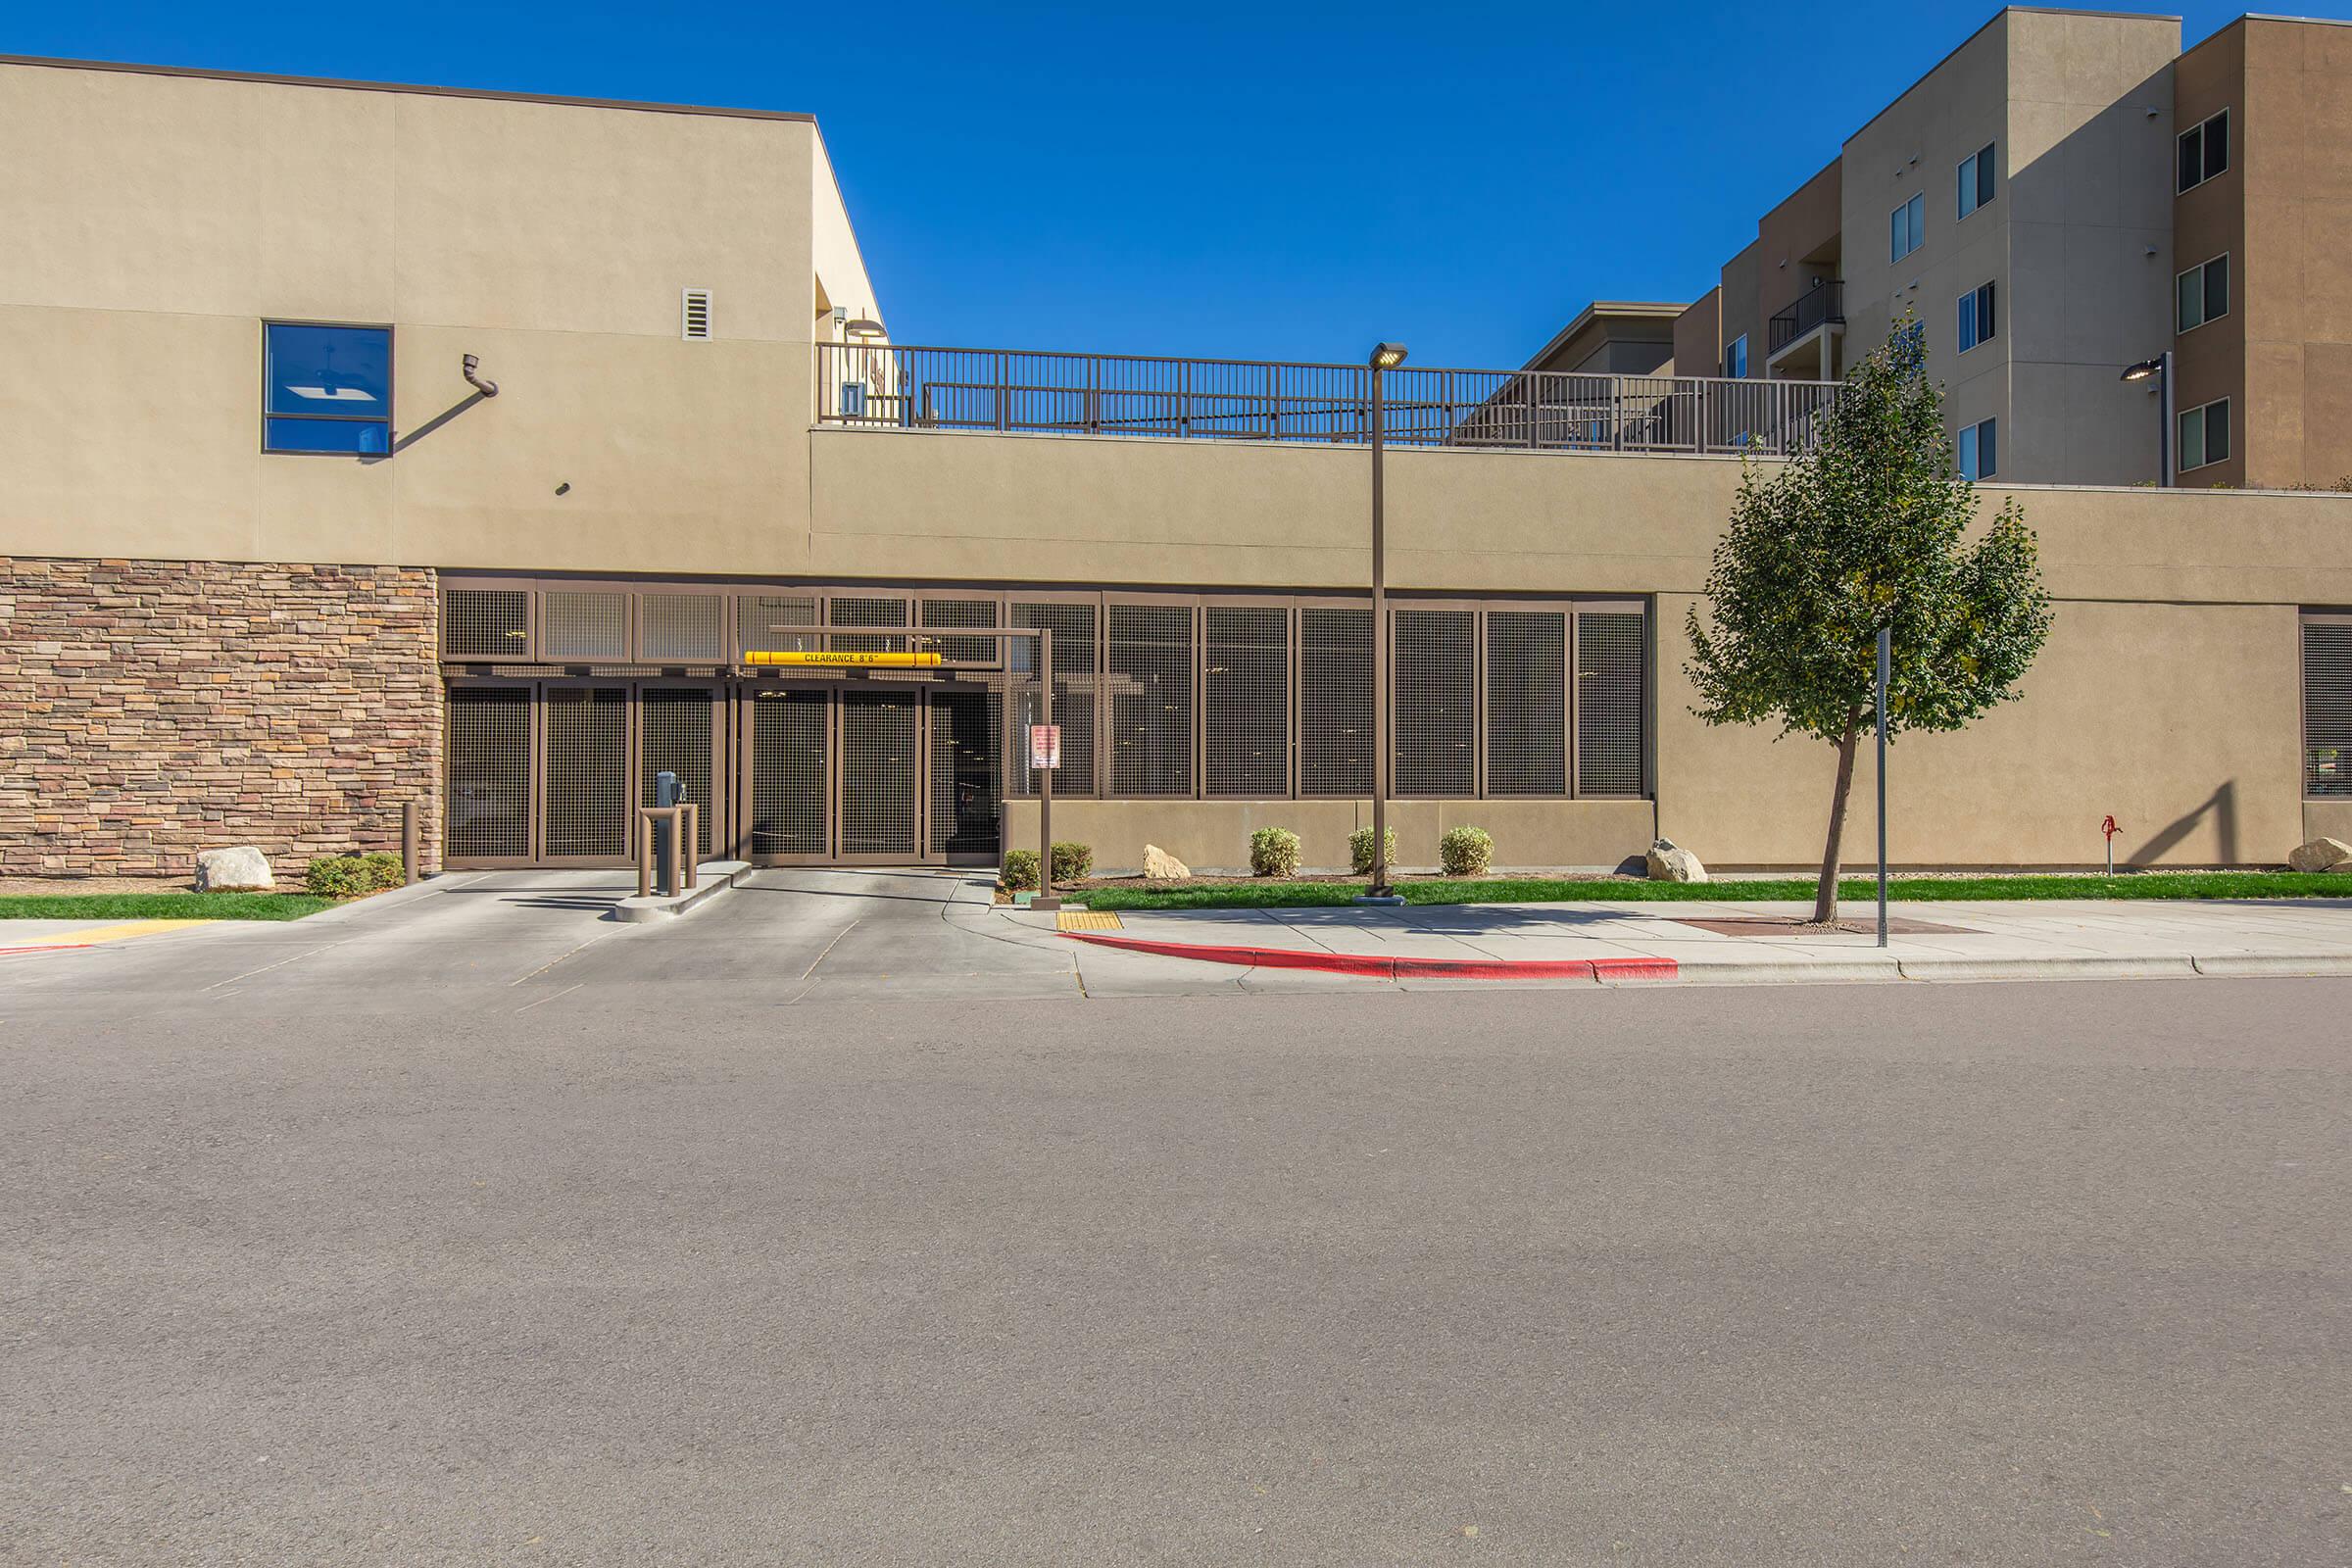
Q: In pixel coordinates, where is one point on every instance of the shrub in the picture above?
(1020, 870)
(1274, 852)
(380, 870)
(336, 877)
(1466, 850)
(1072, 860)
(1359, 849)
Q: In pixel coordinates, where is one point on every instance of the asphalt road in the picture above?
(565, 1246)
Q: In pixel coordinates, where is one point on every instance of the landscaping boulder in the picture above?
(1668, 861)
(2320, 854)
(1162, 866)
(242, 869)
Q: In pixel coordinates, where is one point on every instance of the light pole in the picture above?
(2161, 368)
(1386, 357)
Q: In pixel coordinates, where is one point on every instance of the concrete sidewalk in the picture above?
(1743, 942)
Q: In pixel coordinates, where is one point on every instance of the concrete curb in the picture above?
(1377, 967)
(711, 879)
(1646, 971)
(2227, 965)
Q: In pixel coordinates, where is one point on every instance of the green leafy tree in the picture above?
(1866, 527)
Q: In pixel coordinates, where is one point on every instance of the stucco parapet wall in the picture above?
(1098, 510)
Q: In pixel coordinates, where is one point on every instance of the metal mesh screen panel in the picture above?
(877, 773)
(756, 613)
(2326, 709)
(788, 773)
(1335, 701)
(1527, 702)
(490, 773)
(963, 612)
(1437, 702)
(1608, 703)
(1246, 700)
(1074, 670)
(682, 627)
(676, 736)
(963, 772)
(584, 625)
(587, 771)
(846, 611)
(1150, 676)
(485, 622)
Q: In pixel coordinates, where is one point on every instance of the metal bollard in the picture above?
(408, 841)
(692, 852)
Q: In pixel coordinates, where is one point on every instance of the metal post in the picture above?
(677, 852)
(1044, 899)
(645, 854)
(408, 841)
(1379, 886)
(693, 847)
(1886, 659)
(2163, 436)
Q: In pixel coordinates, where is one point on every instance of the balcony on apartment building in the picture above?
(889, 386)
(1800, 339)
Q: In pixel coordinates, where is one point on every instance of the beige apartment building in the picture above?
(2066, 195)
(276, 559)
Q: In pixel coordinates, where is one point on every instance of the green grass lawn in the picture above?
(1556, 889)
(160, 905)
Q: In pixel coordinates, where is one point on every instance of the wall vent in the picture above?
(694, 314)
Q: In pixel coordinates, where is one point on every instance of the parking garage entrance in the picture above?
(788, 773)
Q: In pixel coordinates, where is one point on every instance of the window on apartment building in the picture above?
(2202, 293)
(326, 388)
(2204, 150)
(2327, 707)
(2204, 435)
(1976, 179)
(1907, 229)
(1980, 450)
(1734, 358)
(1976, 317)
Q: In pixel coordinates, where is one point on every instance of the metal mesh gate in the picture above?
(490, 773)
(788, 756)
(1608, 703)
(877, 773)
(586, 784)
(678, 735)
(964, 802)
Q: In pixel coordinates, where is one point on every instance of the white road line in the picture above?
(544, 1001)
(267, 967)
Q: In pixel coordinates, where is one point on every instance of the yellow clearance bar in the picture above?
(888, 661)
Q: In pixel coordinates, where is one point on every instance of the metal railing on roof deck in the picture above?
(889, 386)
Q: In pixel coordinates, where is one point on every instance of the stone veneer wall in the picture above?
(151, 708)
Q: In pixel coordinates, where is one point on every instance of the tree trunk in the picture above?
(1825, 896)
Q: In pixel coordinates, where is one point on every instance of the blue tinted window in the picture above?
(325, 435)
(328, 388)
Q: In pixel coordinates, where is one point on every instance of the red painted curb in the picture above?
(1380, 968)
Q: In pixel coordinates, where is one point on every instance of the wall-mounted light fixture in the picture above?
(865, 327)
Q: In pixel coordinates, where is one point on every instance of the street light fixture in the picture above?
(2161, 368)
(1384, 357)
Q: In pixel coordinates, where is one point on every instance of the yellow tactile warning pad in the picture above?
(94, 935)
(1085, 921)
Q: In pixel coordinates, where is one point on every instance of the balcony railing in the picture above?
(1820, 304)
(887, 386)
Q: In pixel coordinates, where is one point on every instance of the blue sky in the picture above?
(1282, 181)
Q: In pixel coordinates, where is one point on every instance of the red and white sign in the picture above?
(1045, 746)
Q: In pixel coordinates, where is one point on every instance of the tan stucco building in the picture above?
(2065, 195)
(274, 562)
